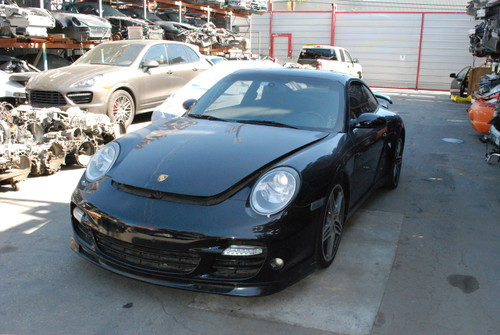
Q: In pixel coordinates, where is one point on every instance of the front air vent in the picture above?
(46, 98)
(80, 97)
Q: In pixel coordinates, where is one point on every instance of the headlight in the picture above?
(102, 161)
(274, 190)
(88, 82)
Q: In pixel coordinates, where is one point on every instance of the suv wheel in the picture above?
(121, 108)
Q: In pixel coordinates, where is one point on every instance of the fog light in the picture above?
(242, 250)
(277, 263)
(78, 214)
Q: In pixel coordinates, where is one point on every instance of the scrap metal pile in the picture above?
(484, 114)
(484, 40)
(209, 35)
(79, 21)
(24, 22)
(39, 141)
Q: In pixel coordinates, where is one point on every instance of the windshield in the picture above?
(318, 53)
(111, 54)
(275, 100)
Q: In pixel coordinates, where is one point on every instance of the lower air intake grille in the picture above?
(237, 267)
(46, 98)
(160, 260)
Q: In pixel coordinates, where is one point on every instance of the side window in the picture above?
(372, 105)
(157, 53)
(361, 100)
(341, 55)
(348, 57)
(177, 54)
(332, 55)
(192, 55)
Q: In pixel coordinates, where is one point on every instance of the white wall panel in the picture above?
(387, 44)
(445, 48)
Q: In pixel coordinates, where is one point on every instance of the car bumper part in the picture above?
(229, 264)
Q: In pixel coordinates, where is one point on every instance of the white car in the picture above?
(173, 106)
(329, 58)
(13, 75)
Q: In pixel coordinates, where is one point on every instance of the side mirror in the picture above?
(188, 103)
(368, 120)
(355, 60)
(453, 75)
(149, 64)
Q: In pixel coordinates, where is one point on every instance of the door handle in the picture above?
(169, 72)
(195, 69)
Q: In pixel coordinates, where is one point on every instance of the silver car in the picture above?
(119, 78)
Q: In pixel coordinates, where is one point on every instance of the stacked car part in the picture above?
(39, 141)
(484, 40)
(25, 22)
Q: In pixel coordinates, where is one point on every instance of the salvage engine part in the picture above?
(38, 141)
(14, 168)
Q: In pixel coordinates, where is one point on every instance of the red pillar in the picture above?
(420, 50)
(271, 44)
(333, 22)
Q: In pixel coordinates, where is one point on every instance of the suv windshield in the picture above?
(111, 54)
(318, 53)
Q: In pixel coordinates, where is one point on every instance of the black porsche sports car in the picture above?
(247, 192)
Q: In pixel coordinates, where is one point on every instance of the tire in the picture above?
(121, 108)
(396, 162)
(332, 222)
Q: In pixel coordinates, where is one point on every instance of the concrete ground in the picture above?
(422, 259)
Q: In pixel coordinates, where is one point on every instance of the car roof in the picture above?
(148, 42)
(321, 46)
(333, 76)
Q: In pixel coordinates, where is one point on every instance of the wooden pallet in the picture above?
(55, 41)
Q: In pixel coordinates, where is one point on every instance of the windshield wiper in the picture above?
(206, 117)
(267, 123)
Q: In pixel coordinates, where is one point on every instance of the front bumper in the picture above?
(138, 247)
(90, 101)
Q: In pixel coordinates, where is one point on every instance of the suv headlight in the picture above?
(102, 161)
(274, 190)
(89, 82)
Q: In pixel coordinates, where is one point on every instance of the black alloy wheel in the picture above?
(396, 162)
(330, 232)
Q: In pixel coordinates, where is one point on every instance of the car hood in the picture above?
(89, 20)
(68, 75)
(203, 158)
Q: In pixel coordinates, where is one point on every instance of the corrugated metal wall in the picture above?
(406, 50)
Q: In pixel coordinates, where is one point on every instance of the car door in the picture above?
(184, 65)
(350, 65)
(153, 83)
(343, 65)
(368, 132)
(460, 82)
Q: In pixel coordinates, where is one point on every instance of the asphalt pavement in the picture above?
(421, 259)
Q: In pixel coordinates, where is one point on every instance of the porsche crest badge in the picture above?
(162, 178)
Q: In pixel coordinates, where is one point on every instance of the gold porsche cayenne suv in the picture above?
(120, 79)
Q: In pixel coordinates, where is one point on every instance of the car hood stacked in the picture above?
(202, 158)
(69, 75)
